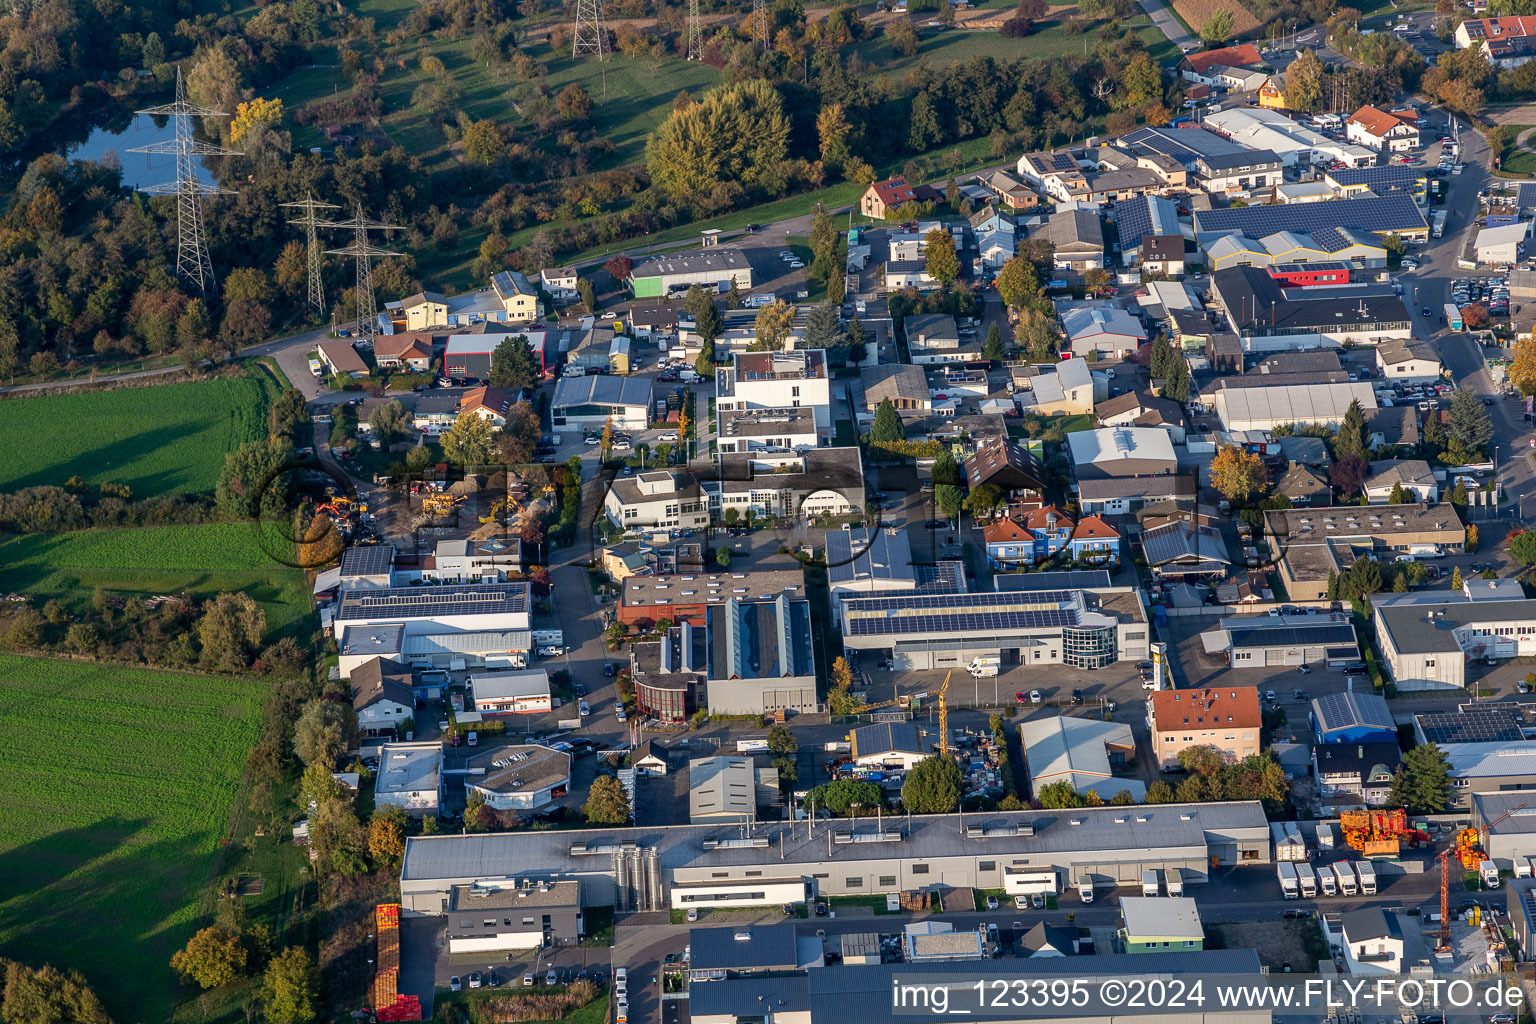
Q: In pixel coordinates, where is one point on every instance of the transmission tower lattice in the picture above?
(192, 260)
(695, 35)
(364, 252)
(588, 36)
(308, 206)
(760, 25)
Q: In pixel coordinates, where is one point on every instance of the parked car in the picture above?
(1036, 697)
(454, 984)
(670, 437)
(550, 978)
(1038, 899)
(1021, 902)
(527, 981)
(474, 979)
(991, 902)
(586, 709)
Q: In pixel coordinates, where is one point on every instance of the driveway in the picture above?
(1166, 23)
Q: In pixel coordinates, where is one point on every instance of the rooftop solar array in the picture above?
(1082, 579)
(1372, 177)
(1383, 213)
(367, 560)
(1471, 726)
(968, 622)
(907, 602)
(1292, 636)
(425, 602)
(1341, 710)
(1145, 215)
(1525, 196)
(1184, 144)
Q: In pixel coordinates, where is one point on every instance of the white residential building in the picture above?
(410, 777)
(560, 283)
(512, 692)
(777, 380)
(1408, 361)
(658, 498)
(1378, 129)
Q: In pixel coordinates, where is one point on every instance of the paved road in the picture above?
(78, 381)
(290, 354)
(1163, 18)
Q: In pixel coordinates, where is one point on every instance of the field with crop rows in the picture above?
(201, 560)
(117, 787)
(1197, 12)
(167, 439)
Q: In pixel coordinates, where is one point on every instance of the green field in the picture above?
(117, 787)
(167, 439)
(202, 560)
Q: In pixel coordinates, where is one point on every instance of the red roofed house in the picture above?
(883, 197)
(490, 403)
(1094, 540)
(1228, 719)
(1028, 539)
(403, 351)
(1507, 42)
(1206, 67)
(1378, 129)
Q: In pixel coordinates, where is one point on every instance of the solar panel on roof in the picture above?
(367, 560)
(1387, 174)
(1525, 196)
(1139, 217)
(1472, 726)
(1083, 579)
(1383, 213)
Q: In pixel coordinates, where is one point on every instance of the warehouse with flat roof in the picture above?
(647, 868)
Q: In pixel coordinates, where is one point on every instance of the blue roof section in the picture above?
(1378, 214)
(1145, 215)
(1385, 177)
(1354, 713)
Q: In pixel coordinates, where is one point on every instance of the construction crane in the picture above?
(1467, 851)
(944, 716)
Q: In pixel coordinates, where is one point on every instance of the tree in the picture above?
(723, 557)
(824, 327)
(845, 795)
(290, 990)
(834, 133)
(1398, 496)
(517, 442)
(254, 113)
(288, 415)
(932, 786)
(942, 263)
(772, 325)
(982, 500)
(230, 630)
(706, 318)
(326, 729)
(1522, 547)
(902, 36)
(483, 142)
(1522, 365)
(152, 54)
(949, 498)
(887, 428)
(1304, 82)
(782, 741)
(1217, 28)
(573, 103)
(924, 131)
(469, 441)
(1142, 81)
(418, 458)
(1470, 428)
(737, 133)
(213, 957)
(606, 803)
(1017, 281)
(1456, 578)
(1348, 475)
(840, 697)
(619, 268)
(386, 836)
(993, 348)
(1059, 796)
(388, 421)
(587, 292)
(1159, 792)
(513, 365)
(1237, 473)
(1036, 336)
(1350, 440)
(1423, 782)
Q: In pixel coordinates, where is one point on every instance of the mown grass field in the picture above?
(117, 787)
(201, 560)
(167, 439)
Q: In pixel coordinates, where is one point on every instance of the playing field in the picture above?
(168, 439)
(117, 787)
(201, 560)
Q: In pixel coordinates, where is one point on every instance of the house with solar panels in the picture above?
(1272, 641)
(1216, 164)
(1351, 717)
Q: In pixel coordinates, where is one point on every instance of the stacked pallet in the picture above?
(388, 1003)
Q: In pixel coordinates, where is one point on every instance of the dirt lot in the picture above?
(1276, 945)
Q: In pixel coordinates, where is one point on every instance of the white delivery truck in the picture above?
(1367, 872)
(1286, 872)
(1149, 883)
(1346, 876)
(1326, 884)
(1085, 888)
(1489, 872)
(1173, 878)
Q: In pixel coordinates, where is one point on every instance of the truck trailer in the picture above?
(1367, 872)
(1149, 883)
(1307, 879)
(1173, 879)
(1346, 877)
(1286, 872)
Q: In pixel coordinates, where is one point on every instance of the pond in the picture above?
(126, 133)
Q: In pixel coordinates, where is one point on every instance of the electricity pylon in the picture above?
(308, 207)
(364, 253)
(192, 261)
(588, 34)
(760, 25)
(695, 36)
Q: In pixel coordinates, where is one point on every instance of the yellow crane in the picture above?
(438, 504)
(944, 716)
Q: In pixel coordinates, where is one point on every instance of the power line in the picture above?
(364, 252)
(192, 260)
(309, 205)
(588, 36)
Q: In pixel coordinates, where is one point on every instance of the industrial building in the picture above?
(1309, 544)
(520, 777)
(511, 692)
(896, 745)
(484, 606)
(1160, 924)
(1080, 751)
(1352, 717)
(1080, 628)
(684, 597)
(1427, 647)
(1383, 215)
(594, 401)
(1254, 641)
(761, 658)
(410, 777)
(496, 919)
(1512, 840)
(721, 865)
(713, 268)
(729, 789)
(1490, 768)
(670, 672)
(1268, 317)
